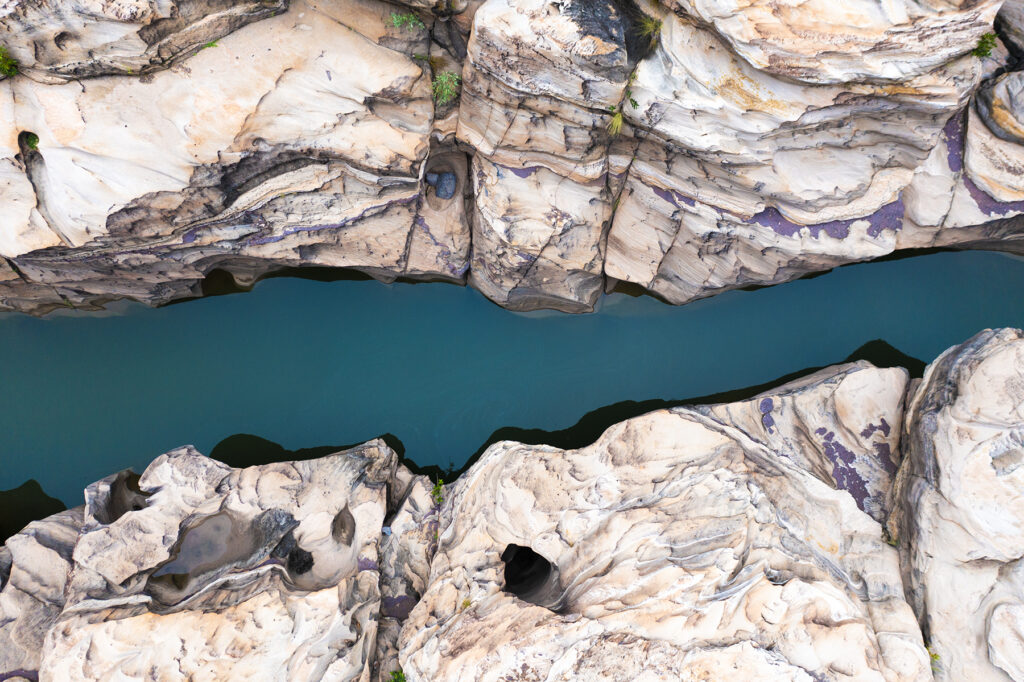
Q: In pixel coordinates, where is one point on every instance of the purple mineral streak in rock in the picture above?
(368, 564)
(766, 414)
(888, 217)
(843, 472)
(397, 607)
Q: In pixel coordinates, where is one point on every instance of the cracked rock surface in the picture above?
(676, 547)
(689, 543)
(959, 516)
(689, 147)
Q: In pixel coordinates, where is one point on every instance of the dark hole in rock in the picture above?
(125, 496)
(61, 39)
(299, 561)
(531, 577)
(444, 183)
(28, 143)
(343, 529)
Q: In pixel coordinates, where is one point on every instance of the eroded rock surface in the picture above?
(196, 569)
(960, 513)
(689, 147)
(78, 39)
(842, 423)
(304, 156)
(674, 548)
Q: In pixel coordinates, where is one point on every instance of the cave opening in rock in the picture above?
(28, 142)
(531, 577)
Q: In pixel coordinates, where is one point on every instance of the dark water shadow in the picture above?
(243, 450)
(24, 504)
(220, 282)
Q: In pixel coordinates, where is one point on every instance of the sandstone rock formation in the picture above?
(960, 517)
(842, 424)
(302, 156)
(689, 543)
(676, 547)
(78, 39)
(689, 147)
(195, 569)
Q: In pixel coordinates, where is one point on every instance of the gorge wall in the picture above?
(687, 147)
(852, 524)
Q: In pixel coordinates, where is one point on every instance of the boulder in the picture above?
(57, 40)
(959, 517)
(676, 547)
(138, 188)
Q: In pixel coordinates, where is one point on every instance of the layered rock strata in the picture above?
(689, 543)
(675, 547)
(960, 513)
(199, 570)
(689, 147)
(263, 151)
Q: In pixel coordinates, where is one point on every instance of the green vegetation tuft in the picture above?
(615, 124)
(935, 660)
(985, 45)
(32, 140)
(397, 676)
(650, 28)
(8, 64)
(408, 20)
(446, 86)
(466, 603)
(212, 43)
(438, 492)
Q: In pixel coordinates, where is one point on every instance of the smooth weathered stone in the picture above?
(35, 565)
(66, 39)
(822, 41)
(406, 549)
(960, 514)
(842, 423)
(268, 572)
(538, 82)
(308, 157)
(676, 547)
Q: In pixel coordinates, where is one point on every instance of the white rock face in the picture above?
(34, 569)
(674, 548)
(406, 550)
(205, 571)
(82, 38)
(306, 157)
(842, 424)
(538, 81)
(822, 41)
(960, 519)
(994, 156)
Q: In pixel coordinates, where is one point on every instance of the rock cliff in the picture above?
(690, 543)
(960, 517)
(541, 151)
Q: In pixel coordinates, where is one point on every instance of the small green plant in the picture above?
(212, 43)
(466, 603)
(438, 492)
(985, 45)
(935, 660)
(615, 123)
(446, 86)
(8, 64)
(397, 676)
(408, 20)
(650, 28)
(32, 141)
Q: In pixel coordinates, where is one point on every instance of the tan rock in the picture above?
(960, 513)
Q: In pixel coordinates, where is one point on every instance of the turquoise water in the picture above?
(307, 363)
